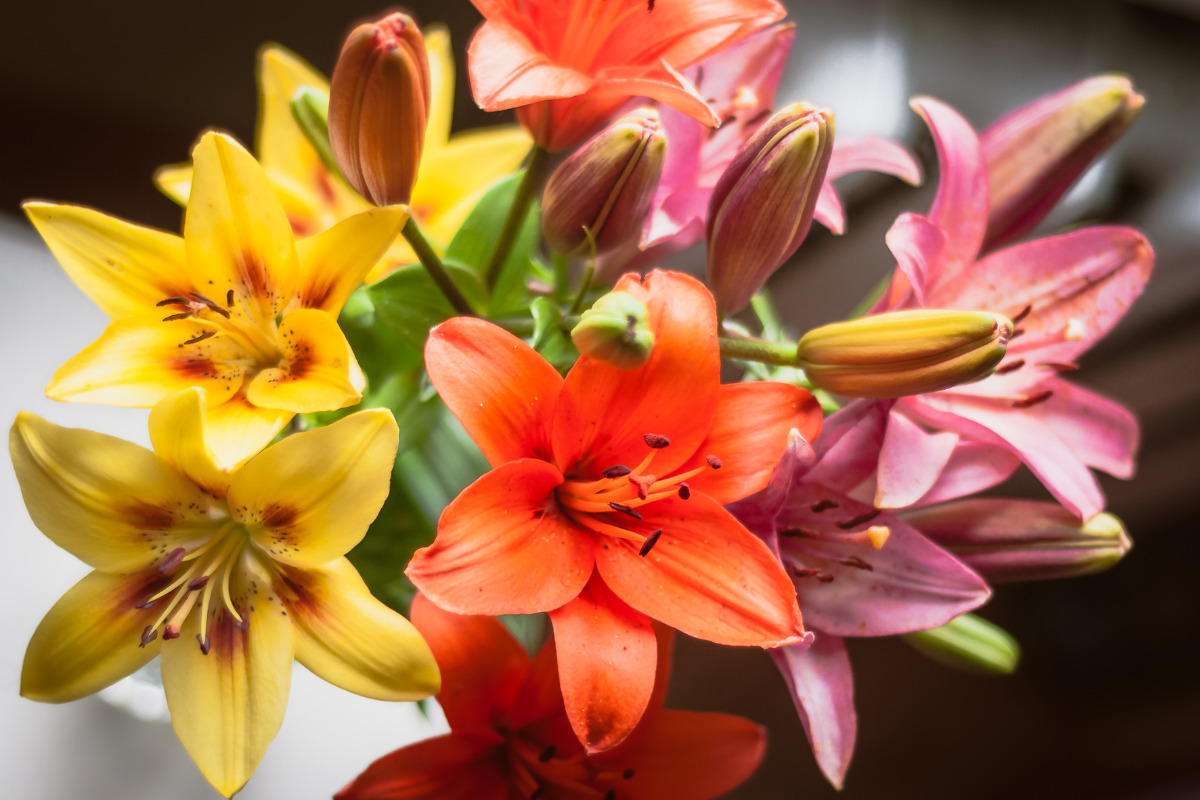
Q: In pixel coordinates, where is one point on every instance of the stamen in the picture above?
(173, 560)
(713, 461)
(799, 533)
(824, 505)
(173, 301)
(616, 471)
(628, 773)
(1022, 315)
(1012, 366)
(699, 76)
(857, 563)
(648, 545)
(878, 535)
(656, 441)
(649, 6)
(591, 523)
(611, 794)
(825, 577)
(211, 305)
(170, 631)
(547, 754)
(624, 509)
(200, 337)
(1033, 400)
(229, 299)
(685, 491)
(205, 644)
(198, 582)
(148, 635)
(1059, 366)
(1016, 333)
(642, 483)
(807, 572)
(147, 603)
(859, 520)
(757, 118)
(174, 317)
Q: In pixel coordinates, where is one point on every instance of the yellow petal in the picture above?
(441, 88)
(177, 434)
(334, 263)
(90, 638)
(309, 498)
(238, 429)
(110, 503)
(318, 371)
(352, 640)
(279, 142)
(124, 268)
(139, 360)
(236, 233)
(175, 181)
(228, 705)
(397, 256)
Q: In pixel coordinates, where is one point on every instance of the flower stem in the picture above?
(781, 354)
(436, 269)
(538, 159)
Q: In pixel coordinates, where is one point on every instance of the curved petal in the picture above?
(682, 33)
(507, 71)
(482, 664)
(749, 435)
(175, 181)
(310, 498)
(872, 154)
(603, 412)
(918, 247)
(177, 434)
(238, 429)
(829, 210)
(503, 547)
(347, 637)
(90, 638)
(441, 88)
(606, 665)
(661, 82)
(972, 468)
(464, 765)
(335, 262)
(822, 688)
(278, 140)
(123, 268)
(707, 576)
(1101, 432)
(910, 461)
(758, 511)
(317, 371)
(500, 389)
(110, 503)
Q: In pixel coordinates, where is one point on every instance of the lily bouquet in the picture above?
(395, 371)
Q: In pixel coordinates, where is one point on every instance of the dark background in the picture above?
(1106, 700)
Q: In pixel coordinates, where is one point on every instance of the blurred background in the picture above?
(94, 96)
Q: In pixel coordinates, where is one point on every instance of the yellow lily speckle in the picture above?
(227, 574)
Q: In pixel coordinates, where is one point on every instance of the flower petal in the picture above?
(482, 664)
(1101, 432)
(758, 511)
(822, 688)
(124, 268)
(507, 71)
(278, 140)
(465, 765)
(317, 371)
(829, 210)
(177, 434)
(707, 576)
(500, 389)
(972, 468)
(848, 448)
(90, 638)
(347, 637)
(658, 81)
(441, 92)
(749, 434)
(110, 503)
(238, 429)
(175, 181)
(918, 247)
(503, 547)
(606, 664)
(872, 154)
(910, 461)
(334, 262)
(310, 498)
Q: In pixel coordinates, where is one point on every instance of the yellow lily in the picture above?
(227, 574)
(235, 305)
(454, 173)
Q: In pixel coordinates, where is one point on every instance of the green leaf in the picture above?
(548, 338)
(409, 303)
(968, 642)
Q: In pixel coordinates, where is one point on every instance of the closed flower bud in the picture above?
(378, 108)
(1035, 153)
(903, 352)
(969, 642)
(1023, 540)
(604, 188)
(614, 331)
(762, 205)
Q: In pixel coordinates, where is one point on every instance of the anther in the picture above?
(628, 773)
(713, 461)
(200, 337)
(147, 603)
(229, 299)
(205, 644)
(799, 533)
(823, 505)
(148, 636)
(649, 6)
(173, 560)
(243, 624)
(757, 118)
(547, 754)
(209, 303)
(857, 563)
(1016, 333)
(656, 441)
(1059, 366)
(685, 491)
(1011, 366)
(825, 577)
(172, 301)
(1022, 315)
(174, 317)
(616, 471)
(611, 794)
(1033, 400)
(624, 509)
(197, 582)
(648, 545)
(806, 572)
(859, 520)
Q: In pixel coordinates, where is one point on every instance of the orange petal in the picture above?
(507, 71)
(749, 434)
(604, 412)
(606, 663)
(466, 765)
(318, 370)
(501, 390)
(707, 576)
(683, 33)
(502, 546)
(482, 663)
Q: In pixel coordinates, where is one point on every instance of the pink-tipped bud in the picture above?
(1035, 153)
(1023, 540)
(762, 206)
(379, 106)
(601, 194)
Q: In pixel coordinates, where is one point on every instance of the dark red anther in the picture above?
(624, 509)
(1017, 332)
(807, 572)
(197, 582)
(857, 563)
(229, 299)
(861, 519)
(649, 6)
(628, 773)
(1060, 366)
(174, 317)
(685, 491)
(147, 603)
(200, 337)
(825, 577)
(648, 545)
(1033, 399)
(148, 636)
(616, 471)
(172, 301)
(243, 624)
(547, 754)
(656, 441)
(210, 304)
(1011, 366)
(205, 644)
(611, 794)
(170, 631)
(823, 505)
(799, 533)
(713, 461)
(757, 118)
(1022, 315)
(173, 560)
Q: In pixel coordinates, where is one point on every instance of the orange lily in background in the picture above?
(605, 504)
(454, 173)
(568, 66)
(235, 305)
(509, 734)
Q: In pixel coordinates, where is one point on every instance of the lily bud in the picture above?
(310, 110)
(1023, 540)
(903, 352)
(969, 642)
(1035, 153)
(762, 205)
(614, 330)
(378, 108)
(605, 187)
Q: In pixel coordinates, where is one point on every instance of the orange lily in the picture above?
(509, 736)
(604, 506)
(567, 66)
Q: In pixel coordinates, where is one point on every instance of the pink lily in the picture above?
(858, 571)
(1064, 292)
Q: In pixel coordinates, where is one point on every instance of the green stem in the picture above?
(436, 269)
(768, 318)
(538, 159)
(782, 354)
(577, 306)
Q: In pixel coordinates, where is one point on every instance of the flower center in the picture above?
(541, 771)
(258, 339)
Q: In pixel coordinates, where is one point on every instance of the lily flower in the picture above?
(604, 506)
(567, 67)
(235, 305)
(227, 574)
(510, 738)
(1062, 292)
(454, 172)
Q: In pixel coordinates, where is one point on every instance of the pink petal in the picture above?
(973, 467)
(1101, 432)
(848, 448)
(872, 154)
(919, 247)
(758, 511)
(829, 211)
(910, 461)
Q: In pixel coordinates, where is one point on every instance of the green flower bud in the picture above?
(968, 642)
(615, 331)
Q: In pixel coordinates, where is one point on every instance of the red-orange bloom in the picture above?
(605, 504)
(510, 738)
(567, 65)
